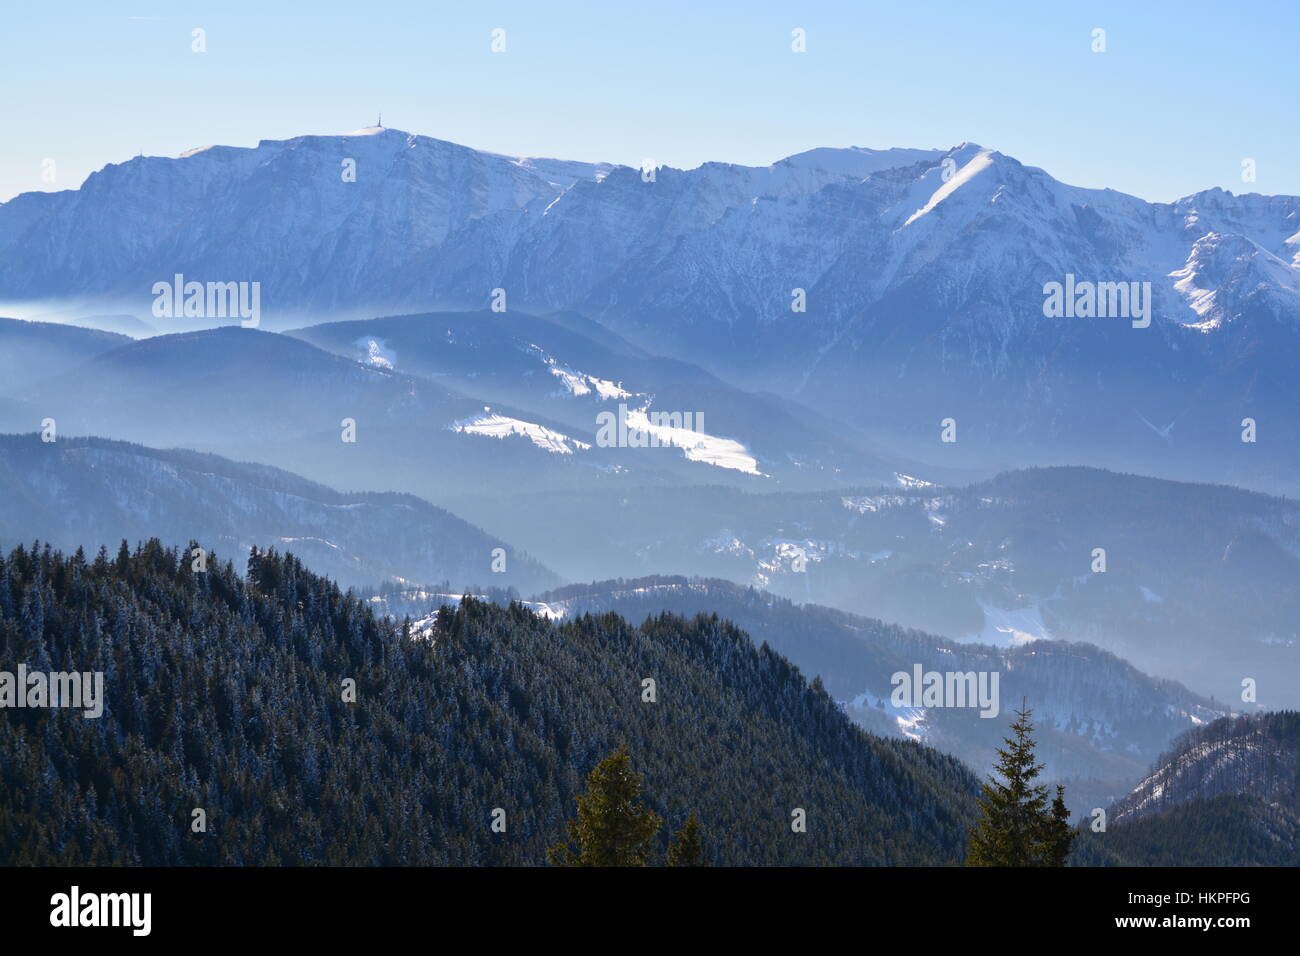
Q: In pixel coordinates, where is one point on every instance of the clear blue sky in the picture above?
(1184, 92)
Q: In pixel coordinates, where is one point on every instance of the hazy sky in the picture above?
(1183, 93)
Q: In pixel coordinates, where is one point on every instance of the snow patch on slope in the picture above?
(495, 425)
(699, 446)
(977, 165)
(910, 720)
(1234, 263)
(580, 383)
(1009, 627)
(376, 352)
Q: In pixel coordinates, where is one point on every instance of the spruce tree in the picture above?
(1059, 835)
(1011, 830)
(686, 848)
(612, 827)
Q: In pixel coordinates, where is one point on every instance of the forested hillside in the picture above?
(1228, 830)
(1226, 794)
(227, 693)
(1100, 722)
(94, 489)
(1257, 754)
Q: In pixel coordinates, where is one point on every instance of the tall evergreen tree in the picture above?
(1012, 828)
(612, 827)
(686, 848)
(1059, 835)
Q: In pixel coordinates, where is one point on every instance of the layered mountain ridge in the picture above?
(891, 289)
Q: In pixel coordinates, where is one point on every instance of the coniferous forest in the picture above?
(609, 465)
(309, 730)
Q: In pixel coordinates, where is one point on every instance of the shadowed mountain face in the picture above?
(1225, 794)
(271, 398)
(565, 368)
(30, 351)
(89, 489)
(886, 289)
(547, 393)
(1208, 600)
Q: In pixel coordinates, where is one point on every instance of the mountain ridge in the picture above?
(64, 491)
(894, 289)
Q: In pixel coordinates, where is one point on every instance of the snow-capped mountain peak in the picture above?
(1223, 270)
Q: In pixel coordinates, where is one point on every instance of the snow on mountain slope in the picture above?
(471, 221)
(906, 283)
(974, 166)
(910, 721)
(1009, 627)
(1223, 270)
(563, 373)
(292, 220)
(434, 194)
(698, 445)
(377, 353)
(580, 383)
(495, 425)
(1255, 754)
(288, 216)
